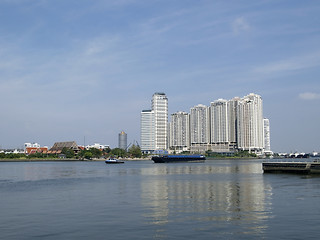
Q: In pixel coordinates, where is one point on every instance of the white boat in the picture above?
(113, 161)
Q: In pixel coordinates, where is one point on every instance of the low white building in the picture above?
(97, 146)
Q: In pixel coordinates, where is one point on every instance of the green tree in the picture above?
(135, 151)
(68, 152)
(96, 153)
(118, 152)
(88, 155)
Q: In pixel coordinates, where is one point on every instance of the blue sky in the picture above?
(76, 68)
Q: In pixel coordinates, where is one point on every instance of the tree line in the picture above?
(133, 152)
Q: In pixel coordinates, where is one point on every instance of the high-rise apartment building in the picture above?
(219, 121)
(159, 106)
(250, 123)
(232, 119)
(199, 125)
(147, 133)
(266, 127)
(154, 125)
(179, 131)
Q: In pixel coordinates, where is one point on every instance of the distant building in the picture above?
(123, 140)
(58, 146)
(32, 148)
(160, 108)
(147, 132)
(154, 125)
(250, 124)
(266, 127)
(219, 121)
(179, 131)
(199, 128)
(97, 146)
(232, 120)
(34, 145)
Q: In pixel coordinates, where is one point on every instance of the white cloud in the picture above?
(291, 64)
(309, 96)
(240, 25)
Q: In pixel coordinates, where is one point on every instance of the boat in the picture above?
(292, 167)
(177, 158)
(113, 161)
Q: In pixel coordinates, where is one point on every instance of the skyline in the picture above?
(71, 69)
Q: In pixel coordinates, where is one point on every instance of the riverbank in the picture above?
(65, 159)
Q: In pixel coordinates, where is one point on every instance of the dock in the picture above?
(291, 167)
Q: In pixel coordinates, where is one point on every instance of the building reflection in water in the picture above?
(226, 194)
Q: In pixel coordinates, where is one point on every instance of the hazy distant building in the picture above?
(33, 145)
(32, 148)
(266, 132)
(97, 146)
(232, 120)
(199, 128)
(159, 106)
(122, 140)
(59, 146)
(250, 123)
(219, 121)
(147, 132)
(179, 131)
(199, 124)
(154, 125)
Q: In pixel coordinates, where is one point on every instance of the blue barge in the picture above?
(178, 158)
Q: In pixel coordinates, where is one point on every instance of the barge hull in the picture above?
(291, 167)
(178, 158)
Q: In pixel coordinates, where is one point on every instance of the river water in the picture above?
(217, 199)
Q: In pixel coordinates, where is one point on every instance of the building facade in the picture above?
(199, 128)
(219, 121)
(179, 139)
(122, 140)
(232, 120)
(266, 132)
(250, 124)
(147, 132)
(159, 106)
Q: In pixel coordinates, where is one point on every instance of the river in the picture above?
(217, 199)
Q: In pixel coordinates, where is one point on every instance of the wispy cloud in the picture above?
(309, 96)
(239, 25)
(290, 64)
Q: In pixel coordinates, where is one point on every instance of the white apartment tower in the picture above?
(180, 131)
(199, 125)
(266, 127)
(250, 123)
(219, 121)
(159, 106)
(147, 134)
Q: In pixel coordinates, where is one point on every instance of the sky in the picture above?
(83, 70)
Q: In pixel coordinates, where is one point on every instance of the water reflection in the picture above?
(207, 194)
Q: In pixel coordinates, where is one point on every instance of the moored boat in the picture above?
(178, 158)
(292, 167)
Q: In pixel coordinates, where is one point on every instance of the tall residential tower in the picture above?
(250, 123)
(154, 125)
(147, 138)
(180, 131)
(160, 108)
